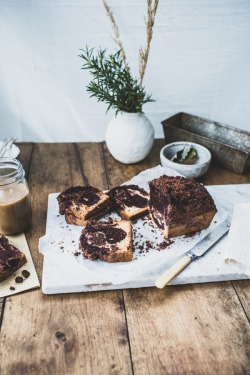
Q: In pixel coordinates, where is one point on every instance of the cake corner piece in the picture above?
(180, 205)
(80, 204)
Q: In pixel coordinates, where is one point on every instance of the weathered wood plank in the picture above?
(92, 160)
(220, 176)
(119, 173)
(242, 288)
(68, 334)
(194, 329)
(24, 157)
(26, 149)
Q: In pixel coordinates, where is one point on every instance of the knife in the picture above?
(197, 251)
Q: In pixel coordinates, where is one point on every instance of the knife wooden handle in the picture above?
(164, 279)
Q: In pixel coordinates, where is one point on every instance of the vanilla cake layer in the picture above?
(107, 241)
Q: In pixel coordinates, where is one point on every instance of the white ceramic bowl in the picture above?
(200, 166)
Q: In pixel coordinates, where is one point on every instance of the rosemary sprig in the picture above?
(112, 82)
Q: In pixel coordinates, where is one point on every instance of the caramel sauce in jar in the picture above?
(15, 207)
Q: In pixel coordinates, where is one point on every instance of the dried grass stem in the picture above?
(116, 33)
(143, 53)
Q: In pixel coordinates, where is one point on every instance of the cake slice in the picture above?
(82, 203)
(11, 259)
(180, 205)
(129, 201)
(108, 241)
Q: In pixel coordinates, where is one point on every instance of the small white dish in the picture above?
(200, 166)
(12, 152)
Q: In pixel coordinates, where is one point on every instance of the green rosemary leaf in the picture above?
(187, 155)
(112, 82)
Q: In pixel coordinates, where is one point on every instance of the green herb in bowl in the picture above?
(188, 155)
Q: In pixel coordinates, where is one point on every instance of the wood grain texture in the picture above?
(26, 149)
(192, 329)
(242, 288)
(220, 176)
(63, 334)
(198, 329)
(118, 172)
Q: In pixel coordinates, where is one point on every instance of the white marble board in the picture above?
(210, 268)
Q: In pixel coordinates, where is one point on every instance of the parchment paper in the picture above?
(32, 281)
(61, 242)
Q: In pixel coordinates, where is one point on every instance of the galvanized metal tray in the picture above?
(229, 146)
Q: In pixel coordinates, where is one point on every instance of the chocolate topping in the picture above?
(177, 198)
(85, 195)
(180, 189)
(127, 196)
(100, 237)
(9, 255)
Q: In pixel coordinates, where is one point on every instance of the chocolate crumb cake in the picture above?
(129, 201)
(82, 203)
(107, 241)
(11, 259)
(180, 205)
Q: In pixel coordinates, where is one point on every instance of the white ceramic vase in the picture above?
(129, 137)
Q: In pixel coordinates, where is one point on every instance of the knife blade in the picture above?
(196, 252)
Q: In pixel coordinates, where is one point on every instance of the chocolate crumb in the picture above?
(12, 288)
(76, 253)
(19, 279)
(26, 274)
(191, 234)
(164, 244)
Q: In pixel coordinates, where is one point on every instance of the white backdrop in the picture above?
(199, 63)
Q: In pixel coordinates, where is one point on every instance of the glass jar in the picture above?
(15, 207)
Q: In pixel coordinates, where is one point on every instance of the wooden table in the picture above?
(191, 329)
